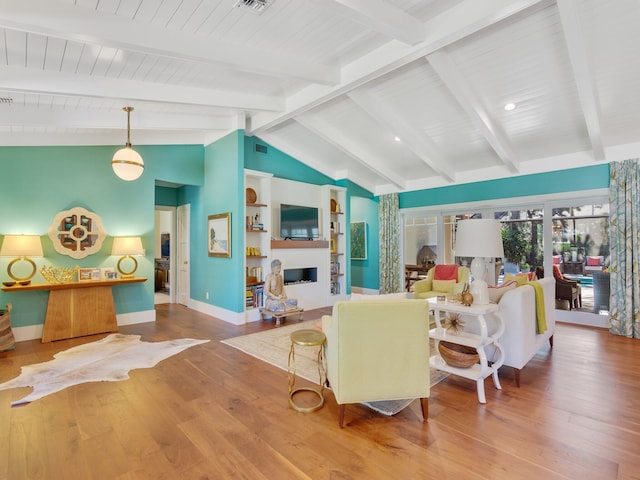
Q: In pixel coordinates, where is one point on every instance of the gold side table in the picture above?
(306, 338)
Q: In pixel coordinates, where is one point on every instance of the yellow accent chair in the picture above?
(430, 287)
(378, 350)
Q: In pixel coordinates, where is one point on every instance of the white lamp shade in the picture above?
(127, 164)
(479, 237)
(127, 246)
(21, 246)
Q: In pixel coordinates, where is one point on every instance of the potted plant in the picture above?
(515, 247)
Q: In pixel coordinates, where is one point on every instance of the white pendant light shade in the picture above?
(127, 164)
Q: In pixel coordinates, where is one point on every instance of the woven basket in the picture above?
(458, 355)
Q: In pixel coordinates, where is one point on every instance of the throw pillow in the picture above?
(446, 272)
(594, 261)
(520, 279)
(496, 293)
(444, 286)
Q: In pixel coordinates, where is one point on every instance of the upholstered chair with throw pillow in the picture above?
(378, 350)
(442, 280)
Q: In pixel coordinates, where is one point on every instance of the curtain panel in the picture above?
(624, 226)
(391, 280)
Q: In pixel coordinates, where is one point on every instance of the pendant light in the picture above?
(127, 163)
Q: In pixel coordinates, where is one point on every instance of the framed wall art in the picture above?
(359, 241)
(219, 235)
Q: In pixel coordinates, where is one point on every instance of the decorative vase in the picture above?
(466, 298)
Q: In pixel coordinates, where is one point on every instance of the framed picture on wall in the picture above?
(359, 241)
(219, 235)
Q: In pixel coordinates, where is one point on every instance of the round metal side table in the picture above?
(306, 338)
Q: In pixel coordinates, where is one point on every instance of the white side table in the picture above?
(479, 371)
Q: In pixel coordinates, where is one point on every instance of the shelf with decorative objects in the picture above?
(257, 244)
(454, 334)
(335, 218)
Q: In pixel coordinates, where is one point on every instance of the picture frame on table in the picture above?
(219, 235)
(108, 273)
(89, 274)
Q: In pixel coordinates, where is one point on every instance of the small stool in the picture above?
(282, 314)
(306, 338)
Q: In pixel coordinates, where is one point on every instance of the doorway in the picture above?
(164, 247)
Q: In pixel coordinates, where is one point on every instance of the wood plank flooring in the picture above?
(213, 412)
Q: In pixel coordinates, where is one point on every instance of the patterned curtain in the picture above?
(391, 280)
(624, 221)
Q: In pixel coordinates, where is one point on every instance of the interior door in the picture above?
(183, 265)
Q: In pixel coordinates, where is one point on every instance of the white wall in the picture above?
(309, 295)
(296, 193)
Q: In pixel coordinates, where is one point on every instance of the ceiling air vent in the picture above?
(255, 6)
(261, 148)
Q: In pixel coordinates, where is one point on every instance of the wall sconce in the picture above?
(21, 247)
(127, 163)
(127, 247)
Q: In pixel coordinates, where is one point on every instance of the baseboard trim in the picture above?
(223, 314)
(34, 332)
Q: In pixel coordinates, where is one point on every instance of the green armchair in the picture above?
(431, 287)
(378, 350)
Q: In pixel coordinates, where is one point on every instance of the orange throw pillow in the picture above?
(446, 272)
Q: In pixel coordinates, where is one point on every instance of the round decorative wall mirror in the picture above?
(77, 233)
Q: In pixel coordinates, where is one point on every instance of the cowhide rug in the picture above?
(107, 360)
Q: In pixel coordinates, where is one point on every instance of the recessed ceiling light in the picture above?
(509, 106)
(396, 138)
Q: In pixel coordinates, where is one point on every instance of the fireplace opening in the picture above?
(293, 276)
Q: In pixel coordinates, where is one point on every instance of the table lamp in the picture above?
(480, 238)
(128, 247)
(21, 247)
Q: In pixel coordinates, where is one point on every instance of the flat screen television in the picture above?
(298, 223)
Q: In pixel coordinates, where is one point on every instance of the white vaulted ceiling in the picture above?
(333, 82)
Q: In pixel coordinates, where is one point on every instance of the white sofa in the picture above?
(520, 340)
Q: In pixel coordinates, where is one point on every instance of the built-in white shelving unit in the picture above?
(257, 239)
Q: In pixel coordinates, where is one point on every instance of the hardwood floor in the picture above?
(213, 412)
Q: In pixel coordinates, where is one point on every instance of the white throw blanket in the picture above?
(107, 360)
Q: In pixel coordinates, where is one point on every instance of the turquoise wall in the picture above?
(222, 192)
(167, 197)
(571, 180)
(39, 182)
(366, 273)
(280, 164)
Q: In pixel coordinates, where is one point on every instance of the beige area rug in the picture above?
(272, 346)
(107, 360)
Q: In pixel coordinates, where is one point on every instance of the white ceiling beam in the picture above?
(88, 118)
(334, 136)
(472, 105)
(583, 74)
(379, 16)
(459, 21)
(64, 20)
(61, 83)
(416, 141)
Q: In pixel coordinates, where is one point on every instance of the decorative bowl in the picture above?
(251, 195)
(8, 284)
(459, 356)
(24, 283)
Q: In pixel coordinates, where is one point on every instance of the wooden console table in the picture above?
(77, 309)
